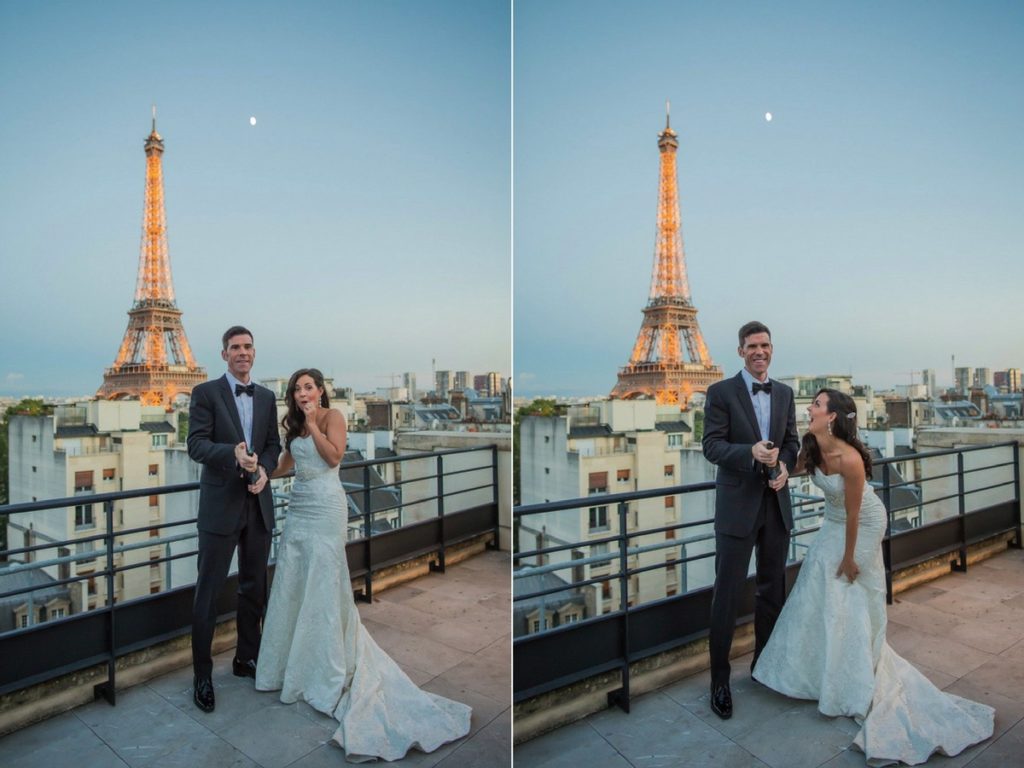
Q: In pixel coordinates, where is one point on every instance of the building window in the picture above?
(671, 591)
(606, 590)
(153, 470)
(570, 618)
(24, 620)
(670, 502)
(675, 441)
(159, 441)
(92, 586)
(108, 474)
(57, 613)
(547, 438)
(597, 482)
(154, 533)
(83, 481)
(33, 467)
(622, 475)
(83, 516)
(599, 518)
(670, 533)
(547, 470)
(154, 589)
(670, 470)
(535, 626)
(34, 438)
(84, 548)
(154, 501)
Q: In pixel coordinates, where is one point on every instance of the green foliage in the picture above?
(182, 427)
(698, 426)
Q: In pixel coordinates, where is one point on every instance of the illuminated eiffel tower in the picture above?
(670, 361)
(155, 362)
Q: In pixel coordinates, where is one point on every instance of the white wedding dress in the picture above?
(315, 647)
(829, 645)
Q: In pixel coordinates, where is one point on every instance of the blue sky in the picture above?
(361, 226)
(874, 224)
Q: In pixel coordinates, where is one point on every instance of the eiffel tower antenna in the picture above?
(670, 361)
(154, 362)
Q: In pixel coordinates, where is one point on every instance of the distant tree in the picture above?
(182, 426)
(698, 426)
(27, 407)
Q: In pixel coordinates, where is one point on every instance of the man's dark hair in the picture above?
(749, 329)
(234, 330)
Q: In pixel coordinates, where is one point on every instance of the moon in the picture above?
(252, 120)
(767, 117)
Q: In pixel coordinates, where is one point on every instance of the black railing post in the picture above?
(887, 541)
(961, 564)
(438, 565)
(496, 543)
(620, 697)
(367, 596)
(1016, 543)
(108, 689)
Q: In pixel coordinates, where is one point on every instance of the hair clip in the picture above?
(851, 415)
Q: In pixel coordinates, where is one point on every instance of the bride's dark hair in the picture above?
(844, 427)
(295, 420)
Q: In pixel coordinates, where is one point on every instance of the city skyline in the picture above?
(333, 225)
(871, 223)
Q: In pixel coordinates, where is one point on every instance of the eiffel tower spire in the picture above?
(154, 361)
(670, 361)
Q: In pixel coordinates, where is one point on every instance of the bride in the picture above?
(314, 646)
(829, 643)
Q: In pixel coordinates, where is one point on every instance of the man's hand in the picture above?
(259, 485)
(764, 454)
(245, 460)
(780, 480)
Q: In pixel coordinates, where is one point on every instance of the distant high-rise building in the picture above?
(442, 384)
(462, 379)
(493, 384)
(983, 377)
(480, 383)
(1013, 379)
(928, 379)
(409, 382)
(963, 380)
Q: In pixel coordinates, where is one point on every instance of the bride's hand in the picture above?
(849, 569)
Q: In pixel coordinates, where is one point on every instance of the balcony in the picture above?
(434, 594)
(627, 684)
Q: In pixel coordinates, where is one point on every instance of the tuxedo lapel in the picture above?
(229, 403)
(747, 404)
(777, 427)
(258, 427)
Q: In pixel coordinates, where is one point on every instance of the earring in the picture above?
(830, 429)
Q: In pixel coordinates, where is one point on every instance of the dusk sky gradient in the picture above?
(875, 224)
(361, 226)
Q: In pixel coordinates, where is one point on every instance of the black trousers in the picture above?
(770, 541)
(215, 551)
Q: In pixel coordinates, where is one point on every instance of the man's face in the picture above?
(757, 354)
(239, 356)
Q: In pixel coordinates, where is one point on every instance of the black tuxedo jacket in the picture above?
(214, 429)
(730, 431)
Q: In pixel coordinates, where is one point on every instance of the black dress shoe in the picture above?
(202, 693)
(721, 701)
(243, 668)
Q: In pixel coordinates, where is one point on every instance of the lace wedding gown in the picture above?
(829, 645)
(315, 647)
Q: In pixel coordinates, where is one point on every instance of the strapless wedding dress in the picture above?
(315, 647)
(829, 645)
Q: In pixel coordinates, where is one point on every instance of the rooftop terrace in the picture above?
(964, 631)
(449, 632)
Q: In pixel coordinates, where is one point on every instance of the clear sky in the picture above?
(361, 226)
(875, 224)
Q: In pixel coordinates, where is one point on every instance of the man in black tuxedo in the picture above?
(233, 434)
(750, 435)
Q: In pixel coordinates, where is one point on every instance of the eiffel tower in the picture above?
(670, 361)
(154, 362)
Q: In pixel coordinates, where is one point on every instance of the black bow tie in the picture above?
(250, 389)
(758, 387)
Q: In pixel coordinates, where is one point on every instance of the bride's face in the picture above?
(306, 391)
(819, 414)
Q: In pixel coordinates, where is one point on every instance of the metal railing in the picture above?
(112, 629)
(630, 631)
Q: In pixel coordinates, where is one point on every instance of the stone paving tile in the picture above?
(1009, 712)
(1004, 751)
(923, 617)
(942, 654)
(1014, 652)
(142, 727)
(485, 709)
(490, 748)
(481, 675)
(921, 594)
(659, 733)
(413, 650)
(964, 605)
(207, 750)
(277, 735)
(571, 746)
(994, 632)
(50, 743)
(978, 585)
(1001, 675)
(800, 737)
(236, 698)
(473, 632)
